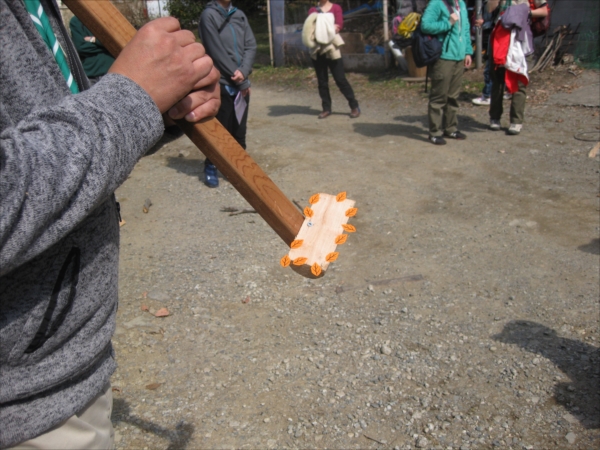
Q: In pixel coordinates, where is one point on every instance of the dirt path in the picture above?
(463, 313)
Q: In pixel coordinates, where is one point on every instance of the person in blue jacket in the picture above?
(448, 19)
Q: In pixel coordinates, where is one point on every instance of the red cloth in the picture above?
(511, 80)
(337, 12)
(500, 43)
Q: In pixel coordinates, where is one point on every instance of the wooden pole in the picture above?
(270, 31)
(114, 30)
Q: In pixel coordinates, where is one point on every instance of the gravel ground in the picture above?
(463, 313)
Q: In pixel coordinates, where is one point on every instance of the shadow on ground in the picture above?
(579, 361)
(191, 167)
(465, 123)
(288, 110)
(593, 247)
(419, 131)
(178, 438)
(374, 130)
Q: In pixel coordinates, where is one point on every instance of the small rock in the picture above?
(570, 418)
(386, 350)
(422, 442)
(571, 437)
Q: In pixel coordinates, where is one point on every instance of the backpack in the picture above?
(539, 25)
(426, 48)
(409, 24)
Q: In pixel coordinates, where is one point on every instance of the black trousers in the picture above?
(226, 116)
(336, 66)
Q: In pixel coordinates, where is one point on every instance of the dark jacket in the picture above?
(61, 158)
(95, 58)
(229, 41)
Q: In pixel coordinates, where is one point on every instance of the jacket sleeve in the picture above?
(78, 33)
(436, 18)
(58, 163)
(249, 55)
(338, 13)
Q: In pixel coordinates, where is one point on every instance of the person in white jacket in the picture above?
(332, 61)
(517, 106)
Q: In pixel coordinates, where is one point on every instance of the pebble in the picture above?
(570, 418)
(571, 437)
(422, 442)
(386, 350)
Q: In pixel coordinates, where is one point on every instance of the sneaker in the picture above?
(494, 125)
(507, 96)
(324, 114)
(437, 140)
(355, 113)
(211, 179)
(482, 101)
(515, 128)
(457, 135)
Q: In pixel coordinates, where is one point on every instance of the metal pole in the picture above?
(478, 35)
(386, 37)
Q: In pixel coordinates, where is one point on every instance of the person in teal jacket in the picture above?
(448, 19)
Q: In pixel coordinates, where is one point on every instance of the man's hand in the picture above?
(468, 61)
(237, 77)
(453, 18)
(204, 101)
(167, 63)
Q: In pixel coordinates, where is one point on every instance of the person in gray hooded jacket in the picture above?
(229, 41)
(62, 155)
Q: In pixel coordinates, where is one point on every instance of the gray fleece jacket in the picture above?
(61, 158)
(229, 41)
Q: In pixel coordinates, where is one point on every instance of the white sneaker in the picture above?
(481, 101)
(507, 96)
(514, 128)
(494, 125)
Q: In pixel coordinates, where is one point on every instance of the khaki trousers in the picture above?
(90, 428)
(446, 79)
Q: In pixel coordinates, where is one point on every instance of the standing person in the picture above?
(64, 149)
(96, 59)
(538, 9)
(486, 22)
(324, 62)
(448, 19)
(229, 41)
